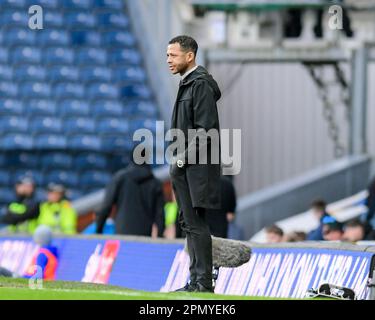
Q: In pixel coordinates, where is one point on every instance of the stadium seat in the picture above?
(14, 124)
(26, 55)
(112, 126)
(74, 194)
(102, 91)
(11, 107)
(85, 38)
(115, 143)
(49, 125)
(38, 107)
(124, 56)
(48, 4)
(90, 161)
(8, 89)
(6, 72)
(53, 19)
(79, 125)
(74, 108)
(58, 55)
(12, 3)
(24, 160)
(16, 142)
(110, 4)
(56, 160)
(93, 179)
(91, 56)
(128, 74)
(14, 18)
(30, 90)
(77, 4)
(40, 194)
(6, 195)
(65, 177)
(113, 20)
(85, 143)
(4, 178)
(30, 73)
(136, 91)
(37, 176)
(136, 124)
(146, 108)
(107, 108)
(50, 142)
(4, 55)
(80, 20)
(90, 74)
(120, 161)
(118, 38)
(54, 37)
(65, 90)
(19, 36)
(63, 73)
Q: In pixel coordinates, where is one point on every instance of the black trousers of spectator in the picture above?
(199, 242)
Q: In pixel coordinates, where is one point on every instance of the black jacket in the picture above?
(32, 212)
(139, 200)
(196, 108)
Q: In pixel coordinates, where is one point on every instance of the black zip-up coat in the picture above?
(196, 108)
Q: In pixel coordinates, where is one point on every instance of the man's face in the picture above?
(54, 196)
(177, 59)
(273, 238)
(331, 234)
(25, 189)
(353, 234)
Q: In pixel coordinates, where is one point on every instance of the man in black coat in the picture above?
(139, 201)
(196, 185)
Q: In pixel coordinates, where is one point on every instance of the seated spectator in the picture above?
(355, 230)
(57, 212)
(370, 203)
(332, 229)
(296, 236)
(274, 234)
(21, 214)
(318, 208)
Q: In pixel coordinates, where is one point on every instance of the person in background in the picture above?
(171, 214)
(318, 208)
(57, 212)
(21, 215)
(296, 236)
(46, 258)
(332, 229)
(274, 234)
(355, 230)
(370, 203)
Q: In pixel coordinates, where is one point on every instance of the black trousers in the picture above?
(199, 242)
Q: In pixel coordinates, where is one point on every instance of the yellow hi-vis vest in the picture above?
(24, 227)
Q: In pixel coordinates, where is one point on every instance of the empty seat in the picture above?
(145, 108)
(24, 160)
(74, 194)
(118, 38)
(6, 72)
(109, 19)
(4, 55)
(64, 177)
(12, 3)
(89, 74)
(57, 160)
(50, 4)
(80, 19)
(84, 37)
(14, 18)
(121, 160)
(136, 91)
(107, 108)
(110, 4)
(26, 55)
(74, 108)
(63, 73)
(16, 142)
(30, 73)
(102, 91)
(148, 124)
(50, 142)
(93, 179)
(6, 195)
(65, 90)
(46, 125)
(112, 126)
(40, 194)
(58, 55)
(37, 107)
(84, 143)
(93, 56)
(90, 161)
(54, 37)
(53, 19)
(129, 74)
(113, 143)
(77, 4)
(35, 90)
(19, 36)
(79, 125)
(37, 176)
(11, 107)
(4, 178)
(8, 89)
(14, 124)
(124, 56)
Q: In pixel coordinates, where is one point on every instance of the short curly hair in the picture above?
(187, 43)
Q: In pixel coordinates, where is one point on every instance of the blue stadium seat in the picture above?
(91, 56)
(4, 178)
(79, 125)
(120, 161)
(14, 18)
(48, 4)
(93, 179)
(54, 37)
(40, 194)
(90, 161)
(145, 108)
(102, 91)
(6, 72)
(30, 73)
(107, 108)
(65, 90)
(112, 143)
(49, 125)
(124, 56)
(64, 177)
(14, 124)
(19, 36)
(118, 38)
(89, 74)
(85, 143)
(128, 74)
(110, 4)
(74, 108)
(4, 55)
(6, 195)
(35, 90)
(112, 126)
(77, 4)
(53, 19)
(136, 91)
(57, 160)
(58, 55)
(11, 107)
(136, 124)
(26, 55)
(16, 142)
(111, 20)
(3, 160)
(12, 3)
(50, 142)
(80, 19)
(63, 73)
(37, 176)
(40, 107)
(8, 89)
(24, 160)
(74, 194)
(84, 37)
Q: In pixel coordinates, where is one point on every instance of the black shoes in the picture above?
(189, 287)
(201, 288)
